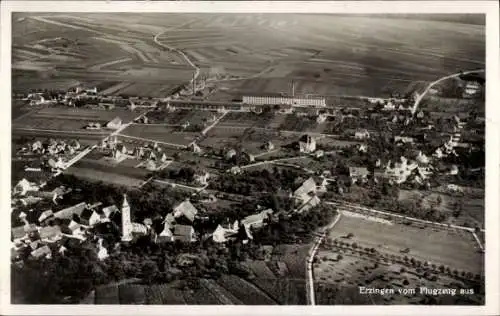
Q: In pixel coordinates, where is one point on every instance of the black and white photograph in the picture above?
(232, 158)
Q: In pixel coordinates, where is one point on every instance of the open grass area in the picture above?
(70, 119)
(107, 171)
(454, 248)
(159, 133)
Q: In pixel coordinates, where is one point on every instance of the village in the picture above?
(321, 161)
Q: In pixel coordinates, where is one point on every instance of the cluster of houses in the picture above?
(74, 225)
(55, 152)
(52, 147)
(152, 156)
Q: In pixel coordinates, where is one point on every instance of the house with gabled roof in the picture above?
(312, 202)
(223, 232)
(68, 213)
(257, 220)
(307, 144)
(115, 123)
(185, 209)
(166, 234)
(306, 190)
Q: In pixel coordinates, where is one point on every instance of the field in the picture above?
(179, 117)
(452, 248)
(376, 56)
(70, 119)
(95, 167)
(160, 133)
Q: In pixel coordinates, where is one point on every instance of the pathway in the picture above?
(311, 299)
(432, 84)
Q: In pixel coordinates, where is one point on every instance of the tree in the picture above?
(149, 271)
(413, 261)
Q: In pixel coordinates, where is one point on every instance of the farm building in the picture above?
(256, 220)
(67, 213)
(257, 100)
(307, 144)
(115, 123)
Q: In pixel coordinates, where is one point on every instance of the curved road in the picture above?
(175, 50)
(432, 84)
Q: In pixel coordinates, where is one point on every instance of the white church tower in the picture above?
(126, 222)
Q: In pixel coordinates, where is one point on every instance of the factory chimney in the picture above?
(194, 85)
